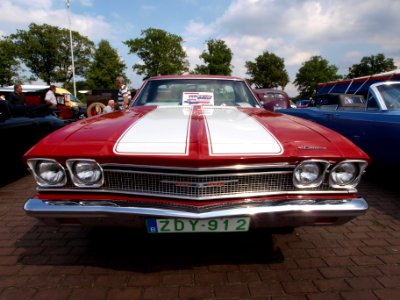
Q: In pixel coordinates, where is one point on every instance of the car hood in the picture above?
(195, 137)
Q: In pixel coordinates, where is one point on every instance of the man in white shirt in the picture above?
(109, 107)
(50, 97)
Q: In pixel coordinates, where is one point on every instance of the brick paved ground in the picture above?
(359, 260)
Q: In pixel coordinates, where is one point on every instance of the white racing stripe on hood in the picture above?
(163, 131)
(232, 132)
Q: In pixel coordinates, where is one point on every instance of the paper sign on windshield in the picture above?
(197, 98)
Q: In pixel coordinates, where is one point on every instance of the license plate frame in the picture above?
(180, 225)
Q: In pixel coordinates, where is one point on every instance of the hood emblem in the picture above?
(311, 148)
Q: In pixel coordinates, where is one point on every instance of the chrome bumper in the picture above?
(267, 214)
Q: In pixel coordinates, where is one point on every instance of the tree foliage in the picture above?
(217, 59)
(46, 51)
(105, 67)
(314, 71)
(161, 53)
(370, 65)
(9, 64)
(268, 71)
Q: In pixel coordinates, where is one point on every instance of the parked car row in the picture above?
(69, 107)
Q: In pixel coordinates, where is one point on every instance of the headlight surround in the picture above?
(85, 172)
(310, 173)
(347, 173)
(47, 172)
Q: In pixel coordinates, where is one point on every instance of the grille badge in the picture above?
(199, 185)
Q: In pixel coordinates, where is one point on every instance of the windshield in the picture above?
(391, 95)
(211, 92)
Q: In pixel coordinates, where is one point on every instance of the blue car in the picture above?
(373, 124)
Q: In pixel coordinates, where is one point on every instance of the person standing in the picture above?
(124, 96)
(16, 101)
(50, 97)
(17, 97)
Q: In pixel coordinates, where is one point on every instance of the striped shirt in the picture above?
(123, 92)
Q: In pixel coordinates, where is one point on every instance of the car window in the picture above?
(171, 92)
(269, 95)
(391, 95)
(372, 104)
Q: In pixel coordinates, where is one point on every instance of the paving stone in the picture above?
(357, 260)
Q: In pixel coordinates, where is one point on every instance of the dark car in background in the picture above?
(273, 99)
(18, 134)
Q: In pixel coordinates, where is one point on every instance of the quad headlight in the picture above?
(310, 173)
(85, 172)
(48, 172)
(347, 173)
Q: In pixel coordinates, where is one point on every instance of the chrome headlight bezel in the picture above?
(359, 166)
(59, 171)
(92, 166)
(320, 165)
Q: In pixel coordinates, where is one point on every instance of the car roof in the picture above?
(385, 83)
(224, 77)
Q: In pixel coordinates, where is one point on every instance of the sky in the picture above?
(341, 31)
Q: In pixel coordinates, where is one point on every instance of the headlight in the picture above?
(47, 172)
(309, 173)
(85, 172)
(347, 173)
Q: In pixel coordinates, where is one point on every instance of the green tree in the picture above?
(46, 51)
(9, 64)
(218, 59)
(268, 71)
(370, 65)
(105, 67)
(314, 71)
(160, 51)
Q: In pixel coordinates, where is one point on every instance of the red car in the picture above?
(273, 99)
(196, 154)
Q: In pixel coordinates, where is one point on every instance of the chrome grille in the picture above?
(201, 187)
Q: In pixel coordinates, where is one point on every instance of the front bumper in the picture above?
(265, 214)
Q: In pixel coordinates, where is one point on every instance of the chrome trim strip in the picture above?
(220, 168)
(307, 207)
(199, 175)
(195, 78)
(230, 196)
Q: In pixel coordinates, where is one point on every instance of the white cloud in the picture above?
(193, 56)
(40, 13)
(195, 31)
(88, 3)
(45, 4)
